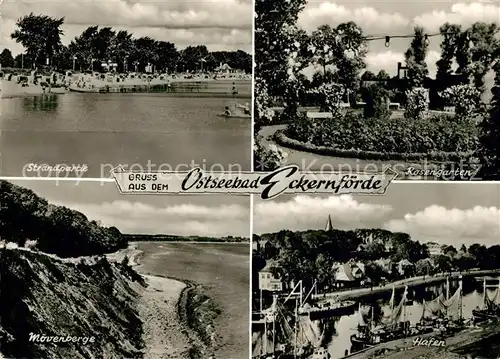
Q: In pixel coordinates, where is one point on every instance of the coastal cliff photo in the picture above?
(367, 85)
(85, 273)
(145, 85)
(412, 274)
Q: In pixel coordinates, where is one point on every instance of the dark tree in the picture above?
(415, 59)
(490, 134)
(6, 59)
(40, 35)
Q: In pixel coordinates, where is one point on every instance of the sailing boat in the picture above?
(291, 335)
(394, 325)
(445, 312)
(491, 307)
(362, 336)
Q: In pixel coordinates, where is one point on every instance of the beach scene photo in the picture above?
(412, 274)
(150, 85)
(363, 86)
(145, 277)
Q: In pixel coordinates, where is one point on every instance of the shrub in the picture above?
(465, 98)
(392, 136)
(490, 134)
(417, 104)
(299, 127)
(267, 159)
(262, 114)
(330, 95)
(377, 102)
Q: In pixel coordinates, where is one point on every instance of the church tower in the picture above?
(329, 226)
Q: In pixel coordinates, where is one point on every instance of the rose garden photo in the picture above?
(321, 100)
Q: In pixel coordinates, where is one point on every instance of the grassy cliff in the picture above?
(42, 294)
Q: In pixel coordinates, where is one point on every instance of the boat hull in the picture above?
(347, 308)
(482, 315)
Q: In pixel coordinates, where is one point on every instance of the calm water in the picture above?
(105, 130)
(338, 330)
(224, 269)
(346, 325)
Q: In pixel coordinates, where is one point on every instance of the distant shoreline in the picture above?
(196, 242)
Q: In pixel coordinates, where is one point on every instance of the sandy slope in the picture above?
(163, 333)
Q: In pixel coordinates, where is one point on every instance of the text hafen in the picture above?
(430, 342)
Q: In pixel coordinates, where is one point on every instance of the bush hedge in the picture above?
(438, 138)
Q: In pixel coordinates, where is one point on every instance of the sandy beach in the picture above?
(218, 307)
(166, 335)
(185, 87)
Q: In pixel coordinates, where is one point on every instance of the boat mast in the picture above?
(372, 318)
(484, 293)
(275, 298)
(447, 288)
(260, 300)
(460, 297)
(264, 347)
(447, 294)
(295, 330)
(393, 298)
(498, 292)
(405, 294)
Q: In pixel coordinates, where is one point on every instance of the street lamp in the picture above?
(74, 62)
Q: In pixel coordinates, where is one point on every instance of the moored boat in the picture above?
(491, 306)
(328, 308)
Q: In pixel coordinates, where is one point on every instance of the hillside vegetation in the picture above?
(56, 229)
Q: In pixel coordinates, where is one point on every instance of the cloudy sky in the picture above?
(386, 18)
(447, 213)
(212, 216)
(218, 24)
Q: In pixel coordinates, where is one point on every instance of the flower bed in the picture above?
(438, 138)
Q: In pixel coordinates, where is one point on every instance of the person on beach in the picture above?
(246, 110)
(227, 111)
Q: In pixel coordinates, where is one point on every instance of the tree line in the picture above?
(312, 255)
(26, 218)
(283, 50)
(41, 35)
(173, 238)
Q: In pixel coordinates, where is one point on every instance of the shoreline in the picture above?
(358, 293)
(196, 336)
(165, 94)
(180, 88)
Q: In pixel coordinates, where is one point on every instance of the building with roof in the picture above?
(350, 273)
(224, 68)
(404, 265)
(267, 280)
(434, 248)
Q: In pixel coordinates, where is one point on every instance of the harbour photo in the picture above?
(147, 85)
(369, 85)
(412, 274)
(137, 277)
